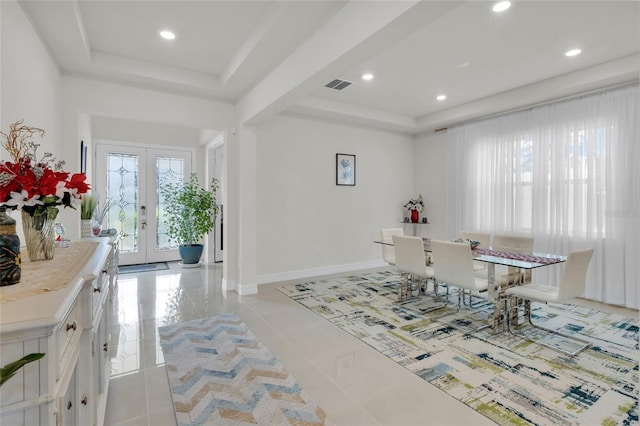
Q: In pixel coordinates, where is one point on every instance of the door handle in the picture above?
(143, 224)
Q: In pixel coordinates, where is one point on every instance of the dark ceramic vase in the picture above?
(190, 254)
(10, 261)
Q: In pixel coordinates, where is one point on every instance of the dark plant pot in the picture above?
(191, 254)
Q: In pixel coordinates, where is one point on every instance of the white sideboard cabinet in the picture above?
(60, 308)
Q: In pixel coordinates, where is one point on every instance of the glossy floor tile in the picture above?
(354, 384)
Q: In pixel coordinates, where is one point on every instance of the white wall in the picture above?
(305, 222)
(144, 133)
(29, 86)
(130, 114)
(430, 163)
(30, 81)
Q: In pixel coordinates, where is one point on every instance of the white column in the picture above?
(240, 213)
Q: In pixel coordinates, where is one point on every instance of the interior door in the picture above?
(130, 177)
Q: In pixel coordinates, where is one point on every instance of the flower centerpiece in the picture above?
(415, 206)
(37, 187)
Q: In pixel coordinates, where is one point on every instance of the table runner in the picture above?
(519, 256)
(49, 275)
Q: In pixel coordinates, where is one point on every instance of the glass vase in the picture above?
(38, 235)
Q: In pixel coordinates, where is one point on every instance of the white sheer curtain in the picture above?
(566, 173)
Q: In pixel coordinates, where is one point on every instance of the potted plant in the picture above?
(189, 212)
(10, 370)
(92, 214)
(88, 205)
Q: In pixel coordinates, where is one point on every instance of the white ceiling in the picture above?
(276, 56)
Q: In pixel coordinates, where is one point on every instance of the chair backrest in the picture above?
(410, 257)
(453, 263)
(387, 251)
(484, 238)
(512, 243)
(574, 274)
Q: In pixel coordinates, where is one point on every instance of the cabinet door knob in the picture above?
(96, 290)
(84, 400)
(105, 347)
(72, 326)
(69, 405)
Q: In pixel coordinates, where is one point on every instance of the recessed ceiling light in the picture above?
(168, 35)
(367, 76)
(573, 52)
(441, 97)
(501, 6)
(463, 64)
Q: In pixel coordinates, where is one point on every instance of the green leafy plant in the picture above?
(190, 210)
(9, 370)
(88, 205)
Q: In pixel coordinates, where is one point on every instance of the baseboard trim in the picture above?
(316, 272)
(228, 285)
(247, 289)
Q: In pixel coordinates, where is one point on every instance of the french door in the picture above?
(130, 177)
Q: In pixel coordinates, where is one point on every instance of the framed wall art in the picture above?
(83, 158)
(346, 169)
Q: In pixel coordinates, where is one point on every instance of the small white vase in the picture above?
(86, 230)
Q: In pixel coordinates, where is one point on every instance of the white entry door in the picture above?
(130, 176)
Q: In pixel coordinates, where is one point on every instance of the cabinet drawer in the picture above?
(99, 288)
(68, 403)
(69, 330)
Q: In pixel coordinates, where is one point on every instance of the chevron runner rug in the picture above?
(507, 379)
(221, 374)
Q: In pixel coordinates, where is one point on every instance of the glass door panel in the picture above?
(123, 189)
(169, 165)
(130, 177)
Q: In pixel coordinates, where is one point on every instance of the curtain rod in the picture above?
(539, 104)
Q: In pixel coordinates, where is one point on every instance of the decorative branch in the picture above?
(18, 142)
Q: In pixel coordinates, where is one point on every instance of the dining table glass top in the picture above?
(516, 260)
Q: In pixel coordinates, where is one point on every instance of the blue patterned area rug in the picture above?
(221, 374)
(507, 379)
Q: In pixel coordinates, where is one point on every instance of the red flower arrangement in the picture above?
(35, 185)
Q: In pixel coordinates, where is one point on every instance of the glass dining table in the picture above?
(496, 290)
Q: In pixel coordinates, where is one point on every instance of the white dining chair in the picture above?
(411, 262)
(453, 265)
(484, 238)
(572, 285)
(513, 244)
(388, 253)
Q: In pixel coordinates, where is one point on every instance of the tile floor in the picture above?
(354, 384)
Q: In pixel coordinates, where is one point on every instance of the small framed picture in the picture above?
(83, 158)
(346, 169)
